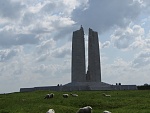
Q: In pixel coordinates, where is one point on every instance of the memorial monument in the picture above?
(78, 57)
(80, 79)
(94, 68)
(78, 72)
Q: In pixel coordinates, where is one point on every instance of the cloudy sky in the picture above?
(35, 40)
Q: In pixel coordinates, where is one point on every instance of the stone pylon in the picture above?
(94, 68)
(78, 57)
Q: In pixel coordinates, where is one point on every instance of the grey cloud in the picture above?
(122, 43)
(52, 69)
(26, 39)
(43, 57)
(8, 54)
(137, 44)
(8, 39)
(142, 59)
(40, 29)
(147, 43)
(28, 18)
(46, 46)
(52, 8)
(41, 68)
(106, 44)
(145, 5)
(61, 52)
(59, 7)
(48, 52)
(122, 38)
(51, 18)
(65, 32)
(103, 14)
(10, 9)
(36, 23)
(128, 37)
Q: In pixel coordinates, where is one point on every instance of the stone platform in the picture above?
(89, 86)
(82, 86)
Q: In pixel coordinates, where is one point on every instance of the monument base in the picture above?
(79, 86)
(86, 86)
(82, 86)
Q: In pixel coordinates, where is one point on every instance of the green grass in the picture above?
(131, 101)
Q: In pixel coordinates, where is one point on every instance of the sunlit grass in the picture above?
(136, 101)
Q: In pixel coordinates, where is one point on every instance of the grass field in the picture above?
(131, 101)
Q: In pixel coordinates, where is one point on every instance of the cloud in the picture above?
(145, 5)
(7, 54)
(47, 51)
(64, 32)
(46, 45)
(106, 44)
(117, 72)
(147, 43)
(128, 37)
(10, 9)
(122, 38)
(63, 51)
(142, 59)
(52, 17)
(9, 38)
(52, 69)
(122, 71)
(43, 57)
(140, 43)
(102, 15)
(138, 30)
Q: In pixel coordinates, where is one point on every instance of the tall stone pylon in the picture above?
(78, 57)
(94, 69)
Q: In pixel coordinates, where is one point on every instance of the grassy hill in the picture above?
(137, 101)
